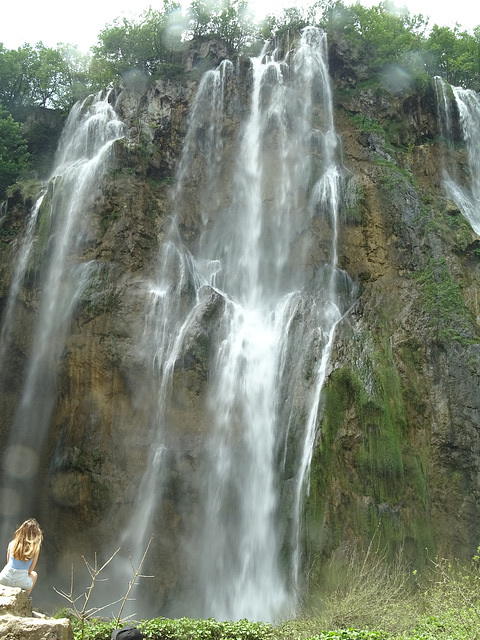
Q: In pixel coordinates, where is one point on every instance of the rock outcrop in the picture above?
(19, 622)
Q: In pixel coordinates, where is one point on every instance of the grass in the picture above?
(362, 598)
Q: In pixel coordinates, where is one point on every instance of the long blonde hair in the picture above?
(27, 540)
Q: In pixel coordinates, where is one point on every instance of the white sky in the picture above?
(79, 23)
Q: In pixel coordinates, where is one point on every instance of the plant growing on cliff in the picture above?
(13, 151)
(443, 301)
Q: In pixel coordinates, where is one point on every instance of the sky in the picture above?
(79, 23)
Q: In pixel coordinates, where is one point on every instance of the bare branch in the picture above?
(135, 576)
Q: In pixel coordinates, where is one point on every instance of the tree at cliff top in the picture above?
(228, 20)
(145, 45)
(40, 76)
(455, 55)
(13, 150)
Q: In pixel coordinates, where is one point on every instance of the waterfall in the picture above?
(466, 197)
(55, 236)
(21, 264)
(271, 318)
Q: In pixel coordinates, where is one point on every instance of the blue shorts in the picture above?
(10, 577)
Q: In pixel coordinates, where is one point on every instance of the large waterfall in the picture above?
(272, 321)
(240, 298)
(55, 236)
(466, 197)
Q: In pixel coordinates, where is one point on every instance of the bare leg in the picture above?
(33, 576)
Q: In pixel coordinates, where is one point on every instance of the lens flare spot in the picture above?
(21, 462)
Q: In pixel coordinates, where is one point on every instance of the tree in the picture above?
(141, 45)
(383, 33)
(227, 20)
(13, 151)
(291, 20)
(34, 76)
(455, 55)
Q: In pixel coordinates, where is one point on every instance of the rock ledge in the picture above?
(19, 622)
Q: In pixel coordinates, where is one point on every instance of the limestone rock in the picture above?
(19, 622)
(14, 601)
(14, 628)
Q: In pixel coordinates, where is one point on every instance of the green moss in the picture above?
(352, 209)
(100, 295)
(108, 220)
(452, 227)
(28, 190)
(368, 125)
(448, 315)
(366, 460)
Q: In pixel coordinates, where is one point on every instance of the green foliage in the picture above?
(454, 55)
(181, 629)
(13, 151)
(383, 33)
(133, 50)
(395, 45)
(380, 414)
(363, 597)
(227, 20)
(290, 22)
(40, 76)
(389, 40)
(350, 634)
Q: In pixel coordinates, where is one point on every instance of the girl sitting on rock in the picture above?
(22, 556)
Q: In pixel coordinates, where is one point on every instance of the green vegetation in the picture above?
(448, 316)
(367, 599)
(13, 151)
(400, 51)
(150, 44)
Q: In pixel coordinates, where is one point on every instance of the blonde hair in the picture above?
(27, 540)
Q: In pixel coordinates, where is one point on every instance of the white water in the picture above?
(64, 211)
(466, 197)
(24, 251)
(276, 319)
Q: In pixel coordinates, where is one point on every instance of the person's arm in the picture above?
(34, 562)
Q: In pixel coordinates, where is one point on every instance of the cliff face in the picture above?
(399, 431)
(397, 443)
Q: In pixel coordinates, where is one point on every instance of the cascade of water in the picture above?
(81, 159)
(444, 107)
(467, 198)
(166, 321)
(24, 252)
(275, 320)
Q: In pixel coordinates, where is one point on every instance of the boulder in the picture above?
(19, 622)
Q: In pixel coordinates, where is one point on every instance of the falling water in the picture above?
(467, 198)
(24, 252)
(58, 227)
(275, 318)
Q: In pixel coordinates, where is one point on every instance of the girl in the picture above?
(22, 556)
